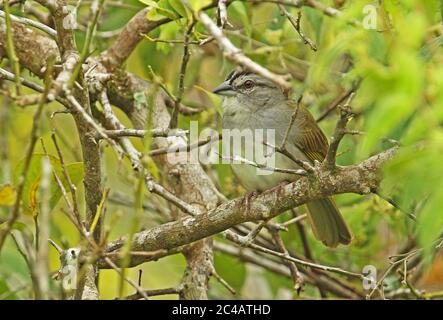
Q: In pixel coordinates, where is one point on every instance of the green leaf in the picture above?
(180, 8)
(397, 90)
(162, 9)
(198, 4)
(430, 221)
(140, 100)
(215, 99)
(148, 2)
(405, 176)
(315, 19)
(231, 270)
(167, 31)
(32, 182)
(238, 11)
(7, 195)
(6, 291)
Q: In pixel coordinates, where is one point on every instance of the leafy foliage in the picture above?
(400, 71)
(32, 182)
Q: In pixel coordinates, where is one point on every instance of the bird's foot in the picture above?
(248, 197)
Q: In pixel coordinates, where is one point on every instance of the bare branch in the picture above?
(43, 47)
(96, 8)
(360, 179)
(42, 257)
(223, 13)
(340, 132)
(129, 38)
(31, 23)
(34, 136)
(181, 76)
(10, 48)
(155, 133)
(295, 274)
(296, 24)
(249, 256)
(223, 282)
(234, 54)
(153, 293)
(334, 104)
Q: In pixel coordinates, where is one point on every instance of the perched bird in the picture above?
(253, 102)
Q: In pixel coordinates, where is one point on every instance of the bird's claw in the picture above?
(248, 197)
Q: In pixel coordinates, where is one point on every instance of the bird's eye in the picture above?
(248, 84)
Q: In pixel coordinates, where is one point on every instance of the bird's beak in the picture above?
(225, 89)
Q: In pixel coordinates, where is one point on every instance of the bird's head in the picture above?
(250, 89)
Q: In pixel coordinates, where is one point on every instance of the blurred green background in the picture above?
(399, 64)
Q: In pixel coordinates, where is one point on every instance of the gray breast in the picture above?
(249, 125)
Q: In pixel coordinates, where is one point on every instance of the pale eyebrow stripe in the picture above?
(236, 75)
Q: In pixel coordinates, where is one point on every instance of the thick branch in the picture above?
(129, 39)
(359, 179)
(42, 48)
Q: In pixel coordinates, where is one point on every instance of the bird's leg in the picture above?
(248, 197)
(250, 237)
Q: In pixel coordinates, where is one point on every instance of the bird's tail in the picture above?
(327, 223)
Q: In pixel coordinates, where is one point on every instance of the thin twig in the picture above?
(186, 148)
(222, 13)
(334, 104)
(13, 59)
(340, 132)
(309, 168)
(96, 8)
(72, 187)
(326, 10)
(236, 158)
(23, 244)
(291, 123)
(223, 282)
(181, 77)
(72, 215)
(4, 74)
(170, 41)
(266, 262)
(34, 132)
(250, 237)
(152, 293)
(235, 238)
(161, 191)
(294, 220)
(234, 54)
(396, 205)
(388, 271)
(155, 133)
(41, 256)
(140, 291)
(31, 23)
(295, 274)
(56, 246)
(134, 157)
(296, 24)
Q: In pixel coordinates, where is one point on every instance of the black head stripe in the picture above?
(230, 75)
(236, 74)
